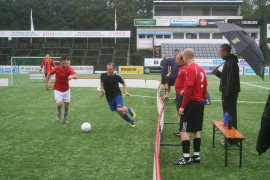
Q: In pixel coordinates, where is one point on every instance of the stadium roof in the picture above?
(174, 2)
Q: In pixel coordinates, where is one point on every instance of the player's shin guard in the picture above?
(128, 119)
(196, 145)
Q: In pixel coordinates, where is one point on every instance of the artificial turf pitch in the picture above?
(33, 145)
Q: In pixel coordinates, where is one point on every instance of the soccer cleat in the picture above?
(195, 159)
(183, 162)
(58, 116)
(177, 134)
(164, 96)
(65, 120)
(133, 124)
(131, 112)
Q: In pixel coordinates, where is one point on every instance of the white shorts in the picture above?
(62, 96)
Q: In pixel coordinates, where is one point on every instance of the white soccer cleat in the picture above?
(65, 120)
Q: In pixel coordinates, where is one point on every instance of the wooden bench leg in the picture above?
(240, 154)
(214, 130)
(226, 152)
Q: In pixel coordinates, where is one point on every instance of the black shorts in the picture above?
(170, 81)
(163, 79)
(192, 119)
(178, 100)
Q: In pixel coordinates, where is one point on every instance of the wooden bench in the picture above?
(231, 136)
(39, 76)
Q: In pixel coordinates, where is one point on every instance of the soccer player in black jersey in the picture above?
(110, 83)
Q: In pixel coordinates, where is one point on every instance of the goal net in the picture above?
(25, 70)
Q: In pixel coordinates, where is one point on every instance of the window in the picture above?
(141, 36)
(159, 36)
(178, 35)
(191, 35)
(204, 35)
(150, 36)
(255, 35)
(167, 36)
(216, 36)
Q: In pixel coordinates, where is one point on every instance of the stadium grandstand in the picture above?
(95, 54)
(190, 24)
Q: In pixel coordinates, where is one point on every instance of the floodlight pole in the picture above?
(128, 55)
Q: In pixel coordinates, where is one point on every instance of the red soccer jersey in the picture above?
(180, 80)
(61, 78)
(195, 78)
(48, 65)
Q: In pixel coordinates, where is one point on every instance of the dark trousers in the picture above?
(229, 104)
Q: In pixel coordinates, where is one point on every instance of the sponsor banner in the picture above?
(246, 22)
(268, 30)
(27, 69)
(152, 62)
(242, 62)
(7, 69)
(204, 62)
(152, 70)
(144, 22)
(217, 62)
(130, 69)
(210, 22)
(249, 71)
(145, 44)
(163, 22)
(207, 69)
(183, 22)
(66, 34)
(83, 69)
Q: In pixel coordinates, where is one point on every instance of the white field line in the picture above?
(255, 85)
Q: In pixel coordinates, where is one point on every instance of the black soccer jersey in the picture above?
(111, 85)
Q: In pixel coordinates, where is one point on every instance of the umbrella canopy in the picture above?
(244, 45)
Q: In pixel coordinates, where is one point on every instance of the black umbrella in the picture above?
(244, 45)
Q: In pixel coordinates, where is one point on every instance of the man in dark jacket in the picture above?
(229, 82)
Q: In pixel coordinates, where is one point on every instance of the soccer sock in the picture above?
(128, 119)
(129, 109)
(165, 91)
(196, 145)
(59, 110)
(186, 147)
(167, 94)
(65, 113)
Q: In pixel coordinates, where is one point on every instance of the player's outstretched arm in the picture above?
(125, 88)
(48, 81)
(101, 94)
(74, 76)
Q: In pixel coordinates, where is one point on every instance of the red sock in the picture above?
(166, 91)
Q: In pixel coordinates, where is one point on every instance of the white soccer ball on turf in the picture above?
(86, 127)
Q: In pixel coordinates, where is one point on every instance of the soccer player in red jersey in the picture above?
(192, 109)
(64, 73)
(179, 83)
(48, 64)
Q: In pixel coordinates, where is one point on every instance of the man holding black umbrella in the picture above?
(229, 82)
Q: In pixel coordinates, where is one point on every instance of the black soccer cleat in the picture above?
(183, 162)
(177, 134)
(195, 159)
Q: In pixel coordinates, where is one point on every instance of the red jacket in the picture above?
(48, 65)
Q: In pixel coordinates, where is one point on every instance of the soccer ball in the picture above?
(86, 127)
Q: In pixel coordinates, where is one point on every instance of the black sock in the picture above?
(197, 145)
(186, 147)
